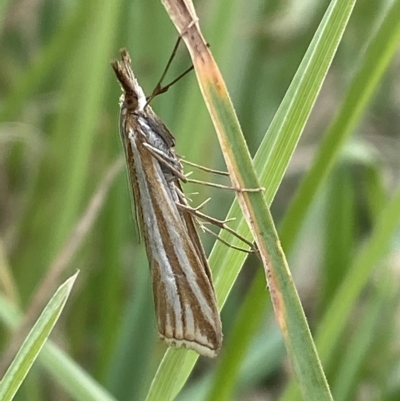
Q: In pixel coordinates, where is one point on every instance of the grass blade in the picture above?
(34, 342)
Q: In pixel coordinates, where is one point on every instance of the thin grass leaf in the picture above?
(68, 373)
(34, 342)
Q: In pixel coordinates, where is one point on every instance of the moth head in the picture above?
(130, 100)
(134, 98)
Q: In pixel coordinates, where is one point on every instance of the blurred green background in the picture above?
(59, 138)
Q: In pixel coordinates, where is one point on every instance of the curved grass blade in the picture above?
(33, 344)
(68, 373)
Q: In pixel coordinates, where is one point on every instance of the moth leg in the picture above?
(200, 167)
(221, 186)
(238, 248)
(219, 223)
(217, 172)
(169, 161)
(166, 161)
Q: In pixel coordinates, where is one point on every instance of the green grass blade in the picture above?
(68, 373)
(34, 342)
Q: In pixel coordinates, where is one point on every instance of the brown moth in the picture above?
(184, 296)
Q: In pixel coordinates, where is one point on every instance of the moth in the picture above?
(184, 297)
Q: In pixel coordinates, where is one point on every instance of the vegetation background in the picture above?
(59, 138)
